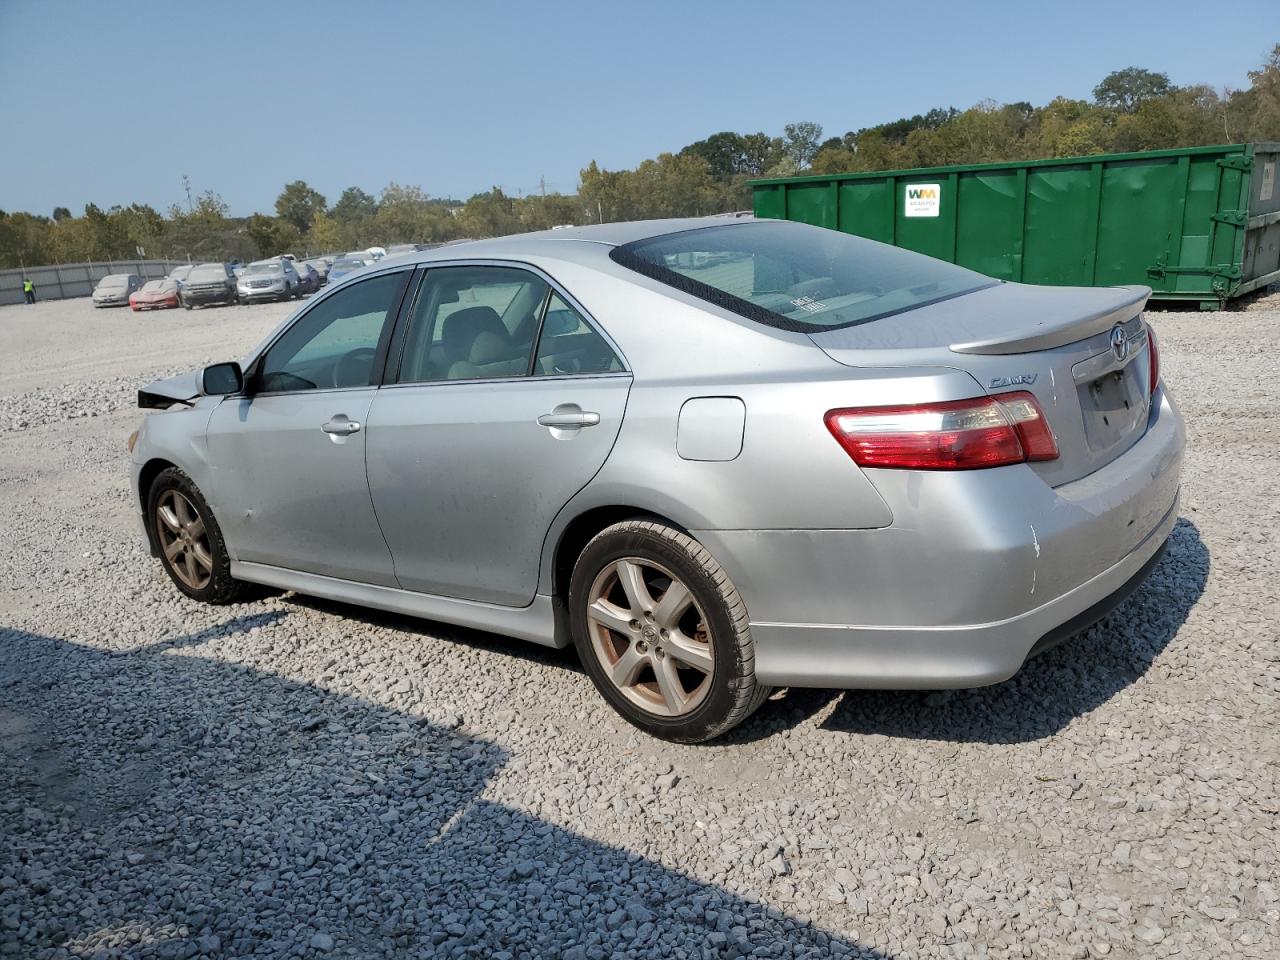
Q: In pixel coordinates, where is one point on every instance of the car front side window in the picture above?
(334, 344)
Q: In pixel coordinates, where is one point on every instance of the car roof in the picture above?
(552, 242)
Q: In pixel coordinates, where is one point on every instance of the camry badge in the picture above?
(1017, 378)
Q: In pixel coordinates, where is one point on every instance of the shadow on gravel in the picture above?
(156, 803)
(565, 659)
(1072, 679)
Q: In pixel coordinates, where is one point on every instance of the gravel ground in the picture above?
(290, 777)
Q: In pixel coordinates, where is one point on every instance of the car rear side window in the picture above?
(568, 344)
(473, 323)
(797, 277)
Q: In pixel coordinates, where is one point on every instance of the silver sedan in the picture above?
(716, 456)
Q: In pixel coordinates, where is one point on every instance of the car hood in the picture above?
(162, 394)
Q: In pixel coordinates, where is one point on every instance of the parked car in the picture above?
(115, 289)
(344, 266)
(364, 256)
(321, 267)
(268, 280)
(823, 461)
(179, 274)
(308, 278)
(209, 283)
(155, 295)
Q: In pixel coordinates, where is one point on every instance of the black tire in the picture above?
(221, 588)
(734, 693)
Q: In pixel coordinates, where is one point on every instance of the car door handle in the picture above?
(582, 418)
(341, 426)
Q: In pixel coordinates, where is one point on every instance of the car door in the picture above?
(504, 403)
(288, 458)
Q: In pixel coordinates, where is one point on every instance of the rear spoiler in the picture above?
(1048, 334)
(163, 394)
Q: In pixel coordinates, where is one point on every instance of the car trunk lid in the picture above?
(1083, 353)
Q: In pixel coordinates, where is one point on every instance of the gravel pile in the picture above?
(72, 401)
(295, 778)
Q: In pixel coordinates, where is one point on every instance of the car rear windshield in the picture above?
(213, 271)
(797, 277)
(159, 286)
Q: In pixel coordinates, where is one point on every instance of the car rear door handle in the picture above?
(566, 420)
(341, 426)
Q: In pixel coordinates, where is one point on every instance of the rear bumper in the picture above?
(978, 570)
(846, 656)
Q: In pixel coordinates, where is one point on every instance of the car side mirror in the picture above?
(221, 379)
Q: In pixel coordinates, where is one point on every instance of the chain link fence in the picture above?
(67, 280)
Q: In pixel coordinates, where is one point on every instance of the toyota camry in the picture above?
(716, 456)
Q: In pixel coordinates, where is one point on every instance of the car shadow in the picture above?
(1051, 690)
(564, 659)
(1042, 698)
(162, 803)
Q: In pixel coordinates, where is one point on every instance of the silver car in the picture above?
(114, 289)
(716, 456)
(274, 279)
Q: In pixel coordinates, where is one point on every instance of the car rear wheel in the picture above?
(189, 540)
(663, 633)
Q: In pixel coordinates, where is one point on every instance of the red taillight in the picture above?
(1153, 358)
(953, 435)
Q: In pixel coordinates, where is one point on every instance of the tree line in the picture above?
(1131, 109)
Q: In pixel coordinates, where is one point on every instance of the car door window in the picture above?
(473, 323)
(334, 344)
(569, 345)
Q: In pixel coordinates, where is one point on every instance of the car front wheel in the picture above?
(189, 540)
(663, 633)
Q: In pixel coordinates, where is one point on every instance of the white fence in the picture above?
(76, 279)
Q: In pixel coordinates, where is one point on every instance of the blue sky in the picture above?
(114, 102)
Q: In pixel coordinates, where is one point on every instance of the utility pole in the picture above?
(542, 185)
(186, 185)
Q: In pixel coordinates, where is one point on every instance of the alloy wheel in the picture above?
(651, 637)
(184, 539)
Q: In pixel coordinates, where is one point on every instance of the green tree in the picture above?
(801, 140)
(406, 214)
(61, 213)
(271, 236)
(725, 154)
(491, 214)
(1124, 90)
(298, 205)
(1255, 113)
(354, 205)
(325, 235)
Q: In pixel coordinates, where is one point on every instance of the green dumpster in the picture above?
(1199, 224)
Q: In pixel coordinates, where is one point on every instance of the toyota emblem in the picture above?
(1119, 343)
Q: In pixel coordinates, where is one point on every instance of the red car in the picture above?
(155, 295)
